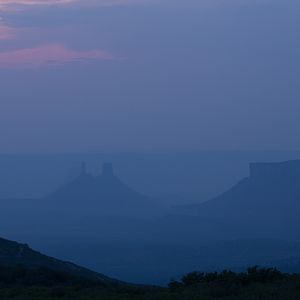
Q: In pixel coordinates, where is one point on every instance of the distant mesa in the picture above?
(276, 171)
(269, 188)
(101, 192)
(267, 202)
(107, 170)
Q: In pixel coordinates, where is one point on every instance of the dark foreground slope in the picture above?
(255, 284)
(13, 254)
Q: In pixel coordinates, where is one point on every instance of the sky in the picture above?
(149, 75)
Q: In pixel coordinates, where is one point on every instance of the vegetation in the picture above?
(20, 283)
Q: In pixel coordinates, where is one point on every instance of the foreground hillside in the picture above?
(13, 253)
(253, 284)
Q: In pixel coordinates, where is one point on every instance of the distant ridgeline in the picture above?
(265, 204)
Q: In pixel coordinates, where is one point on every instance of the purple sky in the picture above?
(149, 75)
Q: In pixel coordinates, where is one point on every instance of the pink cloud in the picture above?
(49, 55)
(12, 4)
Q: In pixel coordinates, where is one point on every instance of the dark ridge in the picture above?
(13, 254)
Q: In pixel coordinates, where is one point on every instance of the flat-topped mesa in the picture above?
(280, 170)
(107, 170)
